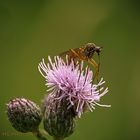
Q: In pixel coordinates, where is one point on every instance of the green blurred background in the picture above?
(33, 29)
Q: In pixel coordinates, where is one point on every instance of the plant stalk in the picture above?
(58, 138)
(39, 135)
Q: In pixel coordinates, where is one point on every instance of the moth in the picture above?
(85, 53)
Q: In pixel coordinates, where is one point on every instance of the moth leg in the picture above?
(75, 57)
(96, 66)
(91, 61)
(76, 54)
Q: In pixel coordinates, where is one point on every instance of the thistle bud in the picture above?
(24, 115)
(58, 119)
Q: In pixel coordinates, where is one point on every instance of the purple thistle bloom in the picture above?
(73, 83)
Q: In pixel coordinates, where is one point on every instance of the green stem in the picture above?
(58, 138)
(39, 135)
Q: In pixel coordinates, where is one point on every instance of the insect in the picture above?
(85, 53)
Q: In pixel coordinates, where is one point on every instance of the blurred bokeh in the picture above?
(33, 29)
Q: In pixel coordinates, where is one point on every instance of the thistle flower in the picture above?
(73, 84)
(24, 115)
